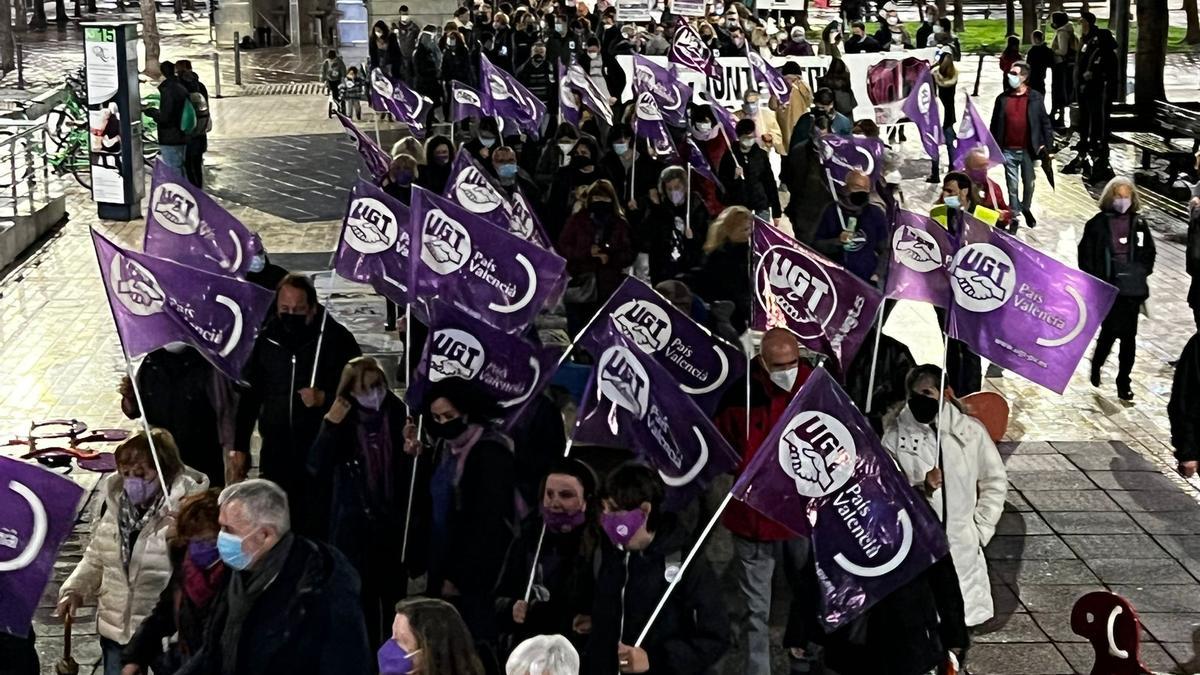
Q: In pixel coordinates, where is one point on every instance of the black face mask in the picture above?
(448, 430)
(923, 408)
(580, 162)
(600, 212)
(859, 198)
(293, 323)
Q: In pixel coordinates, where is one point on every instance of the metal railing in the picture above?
(27, 181)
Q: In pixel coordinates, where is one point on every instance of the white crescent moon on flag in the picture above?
(1076, 329)
(38, 536)
(237, 247)
(531, 288)
(235, 333)
(717, 381)
(679, 481)
(906, 538)
(537, 374)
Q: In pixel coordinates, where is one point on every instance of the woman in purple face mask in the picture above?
(428, 638)
(560, 601)
(648, 547)
(361, 446)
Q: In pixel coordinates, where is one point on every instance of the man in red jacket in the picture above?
(759, 542)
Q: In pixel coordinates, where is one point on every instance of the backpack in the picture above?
(187, 119)
(203, 121)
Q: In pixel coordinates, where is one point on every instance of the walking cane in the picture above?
(66, 665)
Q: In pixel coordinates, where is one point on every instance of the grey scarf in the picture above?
(245, 587)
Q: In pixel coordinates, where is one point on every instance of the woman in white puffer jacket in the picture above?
(126, 565)
(974, 480)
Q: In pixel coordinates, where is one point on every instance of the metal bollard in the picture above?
(237, 59)
(217, 73)
(20, 65)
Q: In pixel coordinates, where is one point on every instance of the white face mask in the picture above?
(785, 379)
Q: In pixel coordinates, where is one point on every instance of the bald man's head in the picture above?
(779, 350)
(977, 160)
(857, 181)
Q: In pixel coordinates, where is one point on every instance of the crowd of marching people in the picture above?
(302, 517)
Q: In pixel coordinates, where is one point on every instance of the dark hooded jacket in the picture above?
(1184, 406)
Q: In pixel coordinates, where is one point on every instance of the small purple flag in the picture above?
(699, 162)
(185, 225)
(482, 269)
(508, 367)
(829, 309)
(921, 254)
(524, 221)
(466, 102)
(1024, 310)
(156, 302)
(503, 96)
(842, 154)
(374, 245)
(703, 364)
(671, 95)
(648, 124)
(766, 73)
(474, 189)
(37, 513)
(689, 51)
(590, 97)
(568, 108)
(921, 107)
(631, 400)
(376, 160)
(397, 98)
(973, 132)
(823, 473)
(724, 119)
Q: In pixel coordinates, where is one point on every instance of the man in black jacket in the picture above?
(1184, 408)
(859, 42)
(197, 142)
(746, 174)
(291, 606)
(1095, 82)
(172, 142)
(1023, 129)
(540, 77)
(406, 32)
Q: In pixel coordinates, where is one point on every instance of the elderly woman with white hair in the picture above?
(1117, 247)
(543, 655)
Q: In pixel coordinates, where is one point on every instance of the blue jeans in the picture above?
(173, 156)
(112, 656)
(1019, 161)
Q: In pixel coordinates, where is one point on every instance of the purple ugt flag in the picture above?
(465, 102)
(474, 189)
(671, 95)
(524, 221)
(842, 154)
(765, 73)
(508, 367)
(376, 160)
(480, 268)
(1024, 310)
(921, 254)
(502, 95)
(689, 51)
(973, 133)
(568, 108)
(37, 513)
(155, 302)
(699, 162)
(185, 225)
(703, 364)
(575, 80)
(397, 98)
(648, 124)
(922, 108)
(374, 245)
(829, 309)
(631, 400)
(724, 119)
(822, 472)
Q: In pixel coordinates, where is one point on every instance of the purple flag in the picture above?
(185, 225)
(671, 95)
(764, 72)
(466, 102)
(921, 107)
(374, 245)
(474, 189)
(577, 81)
(1024, 310)
(703, 364)
(829, 309)
(823, 473)
(648, 124)
(689, 51)
(842, 154)
(37, 513)
(376, 160)
(156, 302)
(973, 132)
(482, 269)
(509, 368)
(921, 254)
(699, 162)
(724, 119)
(503, 96)
(568, 107)
(631, 400)
(397, 98)
(524, 221)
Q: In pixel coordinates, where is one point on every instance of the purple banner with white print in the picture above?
(829, 309)
(689, 51)
(374, 158)
(823, 473)
(37, 513)
(672, 95)
(396, 98)
(765, 73)
(473, 188)
(508, 367)
(155, 302)
(374, 245)
(524, 221)
(648, 124)
(699, 162)
(568, 105)
(465, 101)
(507, 98)
(703, 364)
(921, 107)
(1024, 310)
(921, 255)
(842, 154)
(632, 401)
(185, 225)
(590, 96)
(724, 119)
(480, 268)
(974, 134)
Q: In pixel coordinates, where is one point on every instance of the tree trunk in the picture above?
(22, 23)
(1029, 20)
(7, 47)
(1056, 6)
(941, 5)
(39, 15)
(150, 38)
(1193, 22)
(958, 17)
(1010, 17)
(60, 13)
(1153, 18)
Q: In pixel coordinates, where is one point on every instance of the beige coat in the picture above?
(799, 103)
(124, 600)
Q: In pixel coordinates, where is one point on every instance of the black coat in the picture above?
(1184, 406)
(172, 95)
(175, 613)
(307, 622)
(541, 79)
(758, 189)
(390, 58)
(692, 631)
(726, 276)
(865, 45)
(662, 233)
(425, 73)
(1041, 130)
(456, 64)
(539, 439)
(1096, 254)
(1040, 58)
(269, 277)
